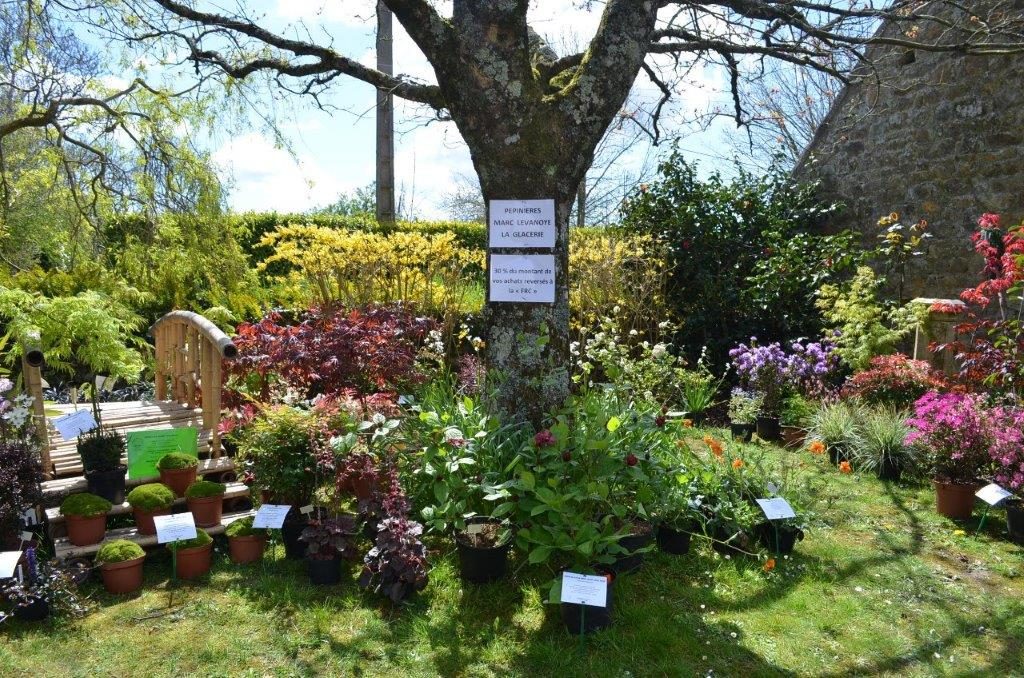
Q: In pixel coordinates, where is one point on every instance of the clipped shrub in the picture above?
(243, 528)
(84, 505)
(201, 539)
(895, 381)
(205, 488)
(176, 460)
(151, 497)
(119, 551)
(101, 449)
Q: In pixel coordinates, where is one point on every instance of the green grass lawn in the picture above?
(881, 586)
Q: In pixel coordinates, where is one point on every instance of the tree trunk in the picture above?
(385, 120)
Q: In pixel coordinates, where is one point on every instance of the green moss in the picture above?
(202, 539)
(151, 497)
(119, 551)
(175, 461)
(244, 528)
(205, 488)
(85, 505)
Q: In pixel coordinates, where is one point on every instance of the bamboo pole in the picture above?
(34, 388)
(160, 339)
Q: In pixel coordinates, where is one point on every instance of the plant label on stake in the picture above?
(29, 517)
(8, 563)
(475, 528)
(306, 510)
(27, 536)
(271, 516)
(584, 589)
(70, 426)
(776, 508)
(992, 494)
(177, 527)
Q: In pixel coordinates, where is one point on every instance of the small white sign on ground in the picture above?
(8, 563)
(70, 426)
(776, 508)
(522, 278)
(584, 589)
(522, 223)
(271, 516)
(992, 494)
(176, 527)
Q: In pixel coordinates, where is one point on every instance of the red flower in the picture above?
(544, 439)
(566, 456)
(631, 459)
(659, 421)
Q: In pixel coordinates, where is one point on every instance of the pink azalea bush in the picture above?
(955, 433)
(1008, 447)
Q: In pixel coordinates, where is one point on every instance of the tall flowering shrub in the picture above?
(954, 432)
(1008, 447)
(894, 380)
(772, 371)
(20, 471)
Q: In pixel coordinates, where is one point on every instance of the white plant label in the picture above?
(992, 494)
(523, 278)
(584, 589)
(8, 563)
(271, 516)
(29, 516)
(776, 508)
(772, 487)
(27, 536)
(522, 223)
(70, 426)
(306, 510)
(176, 527)
(475, 528)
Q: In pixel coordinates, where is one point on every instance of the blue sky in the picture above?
(332, 152)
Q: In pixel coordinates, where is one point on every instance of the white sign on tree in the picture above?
(522, 223)
(523, 278)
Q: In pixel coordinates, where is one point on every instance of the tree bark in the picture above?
(385, 120)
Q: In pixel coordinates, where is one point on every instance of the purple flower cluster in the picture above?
(1008, 447)
(954, 430)
(770, 369)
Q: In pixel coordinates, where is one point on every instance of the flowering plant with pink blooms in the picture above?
(1008, 447)
(954, 432)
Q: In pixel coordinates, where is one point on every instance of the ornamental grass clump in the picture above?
(953, 432)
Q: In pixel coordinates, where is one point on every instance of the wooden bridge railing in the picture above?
(189, 365)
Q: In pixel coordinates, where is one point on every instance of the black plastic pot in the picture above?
(324, 572)
(787, 538)
(889, 469)
(673, 541)
(480, 565)
(632, 561)
(837, 454)
(107, 484)
(769, 429)
(294, 548)
(594, 618)
(1015, 521)
(698, 418)
(37, 610)
(742, 432)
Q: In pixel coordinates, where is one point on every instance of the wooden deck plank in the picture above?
(232, 491)
(55, 490)
(63, 549)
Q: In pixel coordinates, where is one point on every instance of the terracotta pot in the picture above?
(194, 562)
(246, 549)
(954, 500)
(83, 531)
(144, 521)
(793, 437)
(207, 511)
(124, 577)
(178, 479)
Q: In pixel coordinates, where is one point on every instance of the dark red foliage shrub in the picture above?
(367, 350)
(895, 380)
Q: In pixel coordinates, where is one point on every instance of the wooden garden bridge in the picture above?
(189, 355)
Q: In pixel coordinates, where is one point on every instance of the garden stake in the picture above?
(583, 636)
(174, 573)
(776, 528)
(984, 515)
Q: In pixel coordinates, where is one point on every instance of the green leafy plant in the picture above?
(243, 528)
(119, 551)
(202, 538)
(699, 387)
(205, 488)
(796, 410)
(176, 461)
(85, 505)
(744, 406)
(151, 497)
(277, 450)
(101, 449)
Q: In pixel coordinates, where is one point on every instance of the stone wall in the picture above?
(941, 139)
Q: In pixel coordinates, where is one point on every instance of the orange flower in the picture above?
(708, 440)
(737, 463)
(687, 423)
(769, 565)
(816, 447)
(844, 467)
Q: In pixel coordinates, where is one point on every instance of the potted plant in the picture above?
(743, 408)
(121, 565)
(794, 417)
(1007, 454)
(205, 500)
(698, 388)
(245, 542)
(148, 501)
(101, 450)
(953, 432)
(836, 425)
(678, 511)
(730, 513)
(881, 444)
(178, 471)
(588, 618)
(328, 541)
(86, 518)
(396, 566)
(194, 556)
(483, 548)
(46, 589)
